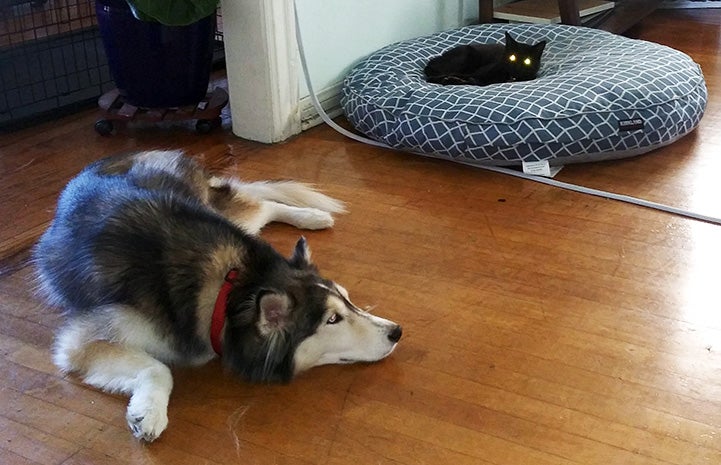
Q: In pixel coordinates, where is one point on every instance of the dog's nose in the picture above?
(395, 334)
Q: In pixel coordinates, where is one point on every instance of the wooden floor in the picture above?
(541, 327)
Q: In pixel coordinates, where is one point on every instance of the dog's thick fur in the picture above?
(136, 255)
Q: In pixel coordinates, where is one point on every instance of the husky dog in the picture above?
(156, 262)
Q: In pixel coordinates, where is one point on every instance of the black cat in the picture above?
(483, 64)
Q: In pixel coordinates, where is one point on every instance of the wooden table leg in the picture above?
(485, 11)
(569, 12)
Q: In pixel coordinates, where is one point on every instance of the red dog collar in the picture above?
(219, 310)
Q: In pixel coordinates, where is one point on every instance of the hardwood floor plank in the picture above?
(34, 445)
(377, 444)
(89, 457)
(615, 424)
(445, 433)
(47, 418)
(11, 458)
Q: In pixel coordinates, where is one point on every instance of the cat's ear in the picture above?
(510, 41)
(538, 48)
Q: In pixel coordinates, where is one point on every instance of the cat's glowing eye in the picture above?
(527, 62)
(512, 58)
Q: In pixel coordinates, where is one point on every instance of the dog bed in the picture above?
(597, 96)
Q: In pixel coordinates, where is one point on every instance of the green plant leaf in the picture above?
(173, 12)
(139, 14)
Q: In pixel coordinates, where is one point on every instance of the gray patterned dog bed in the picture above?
(597, 96)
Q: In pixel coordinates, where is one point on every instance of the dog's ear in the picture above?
(301, 255)
(274, 308)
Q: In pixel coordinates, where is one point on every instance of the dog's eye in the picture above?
(335, 318)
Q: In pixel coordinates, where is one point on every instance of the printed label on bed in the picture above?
(540, 168)
(630, 124)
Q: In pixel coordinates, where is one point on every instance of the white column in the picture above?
(262, 66)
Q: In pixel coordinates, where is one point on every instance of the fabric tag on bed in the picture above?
(540, 168)
(635, 124)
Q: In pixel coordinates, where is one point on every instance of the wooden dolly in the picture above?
(206, 112)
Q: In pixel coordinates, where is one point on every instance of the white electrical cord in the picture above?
(551, 182)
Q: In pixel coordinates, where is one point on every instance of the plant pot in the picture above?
(153, 65)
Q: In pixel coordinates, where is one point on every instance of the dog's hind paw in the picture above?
(312, 218)
(148, 424)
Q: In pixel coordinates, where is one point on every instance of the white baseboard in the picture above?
(690, 4)
(330, 102)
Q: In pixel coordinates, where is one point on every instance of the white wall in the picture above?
(339, 33)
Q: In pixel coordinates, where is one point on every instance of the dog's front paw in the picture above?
(146, 421)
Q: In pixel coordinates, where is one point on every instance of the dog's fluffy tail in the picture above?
(292, 193)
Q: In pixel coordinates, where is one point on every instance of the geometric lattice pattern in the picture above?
(597, 96)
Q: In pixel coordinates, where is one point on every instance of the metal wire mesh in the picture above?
(51, 58)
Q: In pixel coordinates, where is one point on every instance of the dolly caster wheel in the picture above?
(103, 127)
(204, 126)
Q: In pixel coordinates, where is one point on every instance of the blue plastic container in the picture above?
(153, 65)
